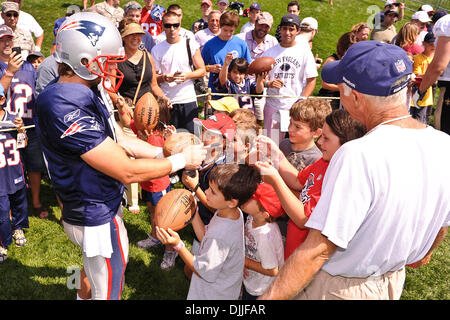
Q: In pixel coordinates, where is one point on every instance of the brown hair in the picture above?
(229, 18)
(164, 114)
(344, 126)
(311, 111)
(236, 181)
(240, 63)
(168, 15)
(345, 41)
(407, 35)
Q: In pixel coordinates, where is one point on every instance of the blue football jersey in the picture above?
(20, 97)
(71, 120)
(12, 177)
(248, 87)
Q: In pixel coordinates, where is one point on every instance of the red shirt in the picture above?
(150, 25)
(311, 178)
(159, 184)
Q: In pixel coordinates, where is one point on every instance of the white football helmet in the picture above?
(89, 42)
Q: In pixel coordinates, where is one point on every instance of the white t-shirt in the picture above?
(384, 198)
(203, 36)
(220, 261)
(292, 66)
(247, 27)
(265, 245)
(170, 58)
(442, 29)
(27, 22)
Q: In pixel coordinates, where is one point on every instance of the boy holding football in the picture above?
(222, 242)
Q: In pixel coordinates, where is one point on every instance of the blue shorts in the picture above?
(154, 197)
(32, 157)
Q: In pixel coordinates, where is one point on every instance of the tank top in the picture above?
(132, 75)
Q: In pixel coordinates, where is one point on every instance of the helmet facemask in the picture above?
(111, 77)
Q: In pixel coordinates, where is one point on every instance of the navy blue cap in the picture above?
(437, 15)
(370, 67)
(289, 20)
(255, 6)
(429, 37)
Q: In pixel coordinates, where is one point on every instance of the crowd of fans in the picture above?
(273, 110)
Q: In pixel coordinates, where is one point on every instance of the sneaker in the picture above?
(150, 242)
(3, 254)
(168, 260)
(19, 237)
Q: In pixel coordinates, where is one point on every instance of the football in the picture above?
(146, 112)
(260, 65)
(176, 142)
(175, 209)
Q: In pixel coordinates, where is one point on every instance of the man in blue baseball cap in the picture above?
(385, 202)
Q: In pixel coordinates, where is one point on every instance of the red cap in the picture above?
(266, 195)
(220, 123)
(6, 31)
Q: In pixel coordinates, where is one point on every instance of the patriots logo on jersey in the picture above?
(80, 125)
(90, 29)
(157, 13)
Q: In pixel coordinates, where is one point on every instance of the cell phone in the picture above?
(17, 50)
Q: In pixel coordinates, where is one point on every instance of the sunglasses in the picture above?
(170, 25)
(9, 14)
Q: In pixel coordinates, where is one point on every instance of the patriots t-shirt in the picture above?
(20, 97)
(71, 120)
(11, 171)
(247, 87)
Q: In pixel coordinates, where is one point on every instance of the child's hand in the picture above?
(169, 237)
(228, 58)
(277, 83)
(168, 131)
(18, 122)
(268, 149)
(188, 181)
(268, 173)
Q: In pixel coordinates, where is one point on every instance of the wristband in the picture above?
(178, 162)
(160, 153)
(196, 187)
(265, 84)
(179, 246)
(9, 74)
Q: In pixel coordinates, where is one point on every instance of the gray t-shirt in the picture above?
(300, 159)
(220, 261)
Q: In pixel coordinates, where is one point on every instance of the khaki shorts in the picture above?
(324, 286)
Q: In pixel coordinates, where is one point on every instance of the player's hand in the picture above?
(169, 237)
(188, 181)
(15, 62)
(194, 156)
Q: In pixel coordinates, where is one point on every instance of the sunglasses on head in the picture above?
(12, 14)
(170, 25)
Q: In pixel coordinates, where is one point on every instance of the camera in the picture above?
(237, 6)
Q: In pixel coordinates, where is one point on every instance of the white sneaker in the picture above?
(3, 254)
(19, 238)
(150, 242)
(168, 260)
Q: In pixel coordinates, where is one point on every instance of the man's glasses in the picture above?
(10, 14)
(170, 25)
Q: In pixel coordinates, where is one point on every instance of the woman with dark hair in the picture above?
(332, 90)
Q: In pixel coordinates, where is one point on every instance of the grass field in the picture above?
(40, 269)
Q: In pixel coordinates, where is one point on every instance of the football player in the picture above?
(88, 156)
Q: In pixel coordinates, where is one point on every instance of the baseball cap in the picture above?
(132, 5)
(72, 9)
(429, 37)
(228, 104)
(131, 28)
(427, 8)
(422, 16)
(255, 6)
(219, 1)
(289, 20)
(310, 22)
(266, 195)
(265, 18)
(438, 14)
(389, 2)
(6, 31)
(208, 2)
(390, 12)
(10, 6)
(219, 123)
(371, 67)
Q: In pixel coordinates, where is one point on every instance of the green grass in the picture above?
(39, 270)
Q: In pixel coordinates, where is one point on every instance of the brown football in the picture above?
(176, 142)
(260, 65)
(146, 112)
(175, 209)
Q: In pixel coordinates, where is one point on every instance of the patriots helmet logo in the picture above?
(90, 29)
